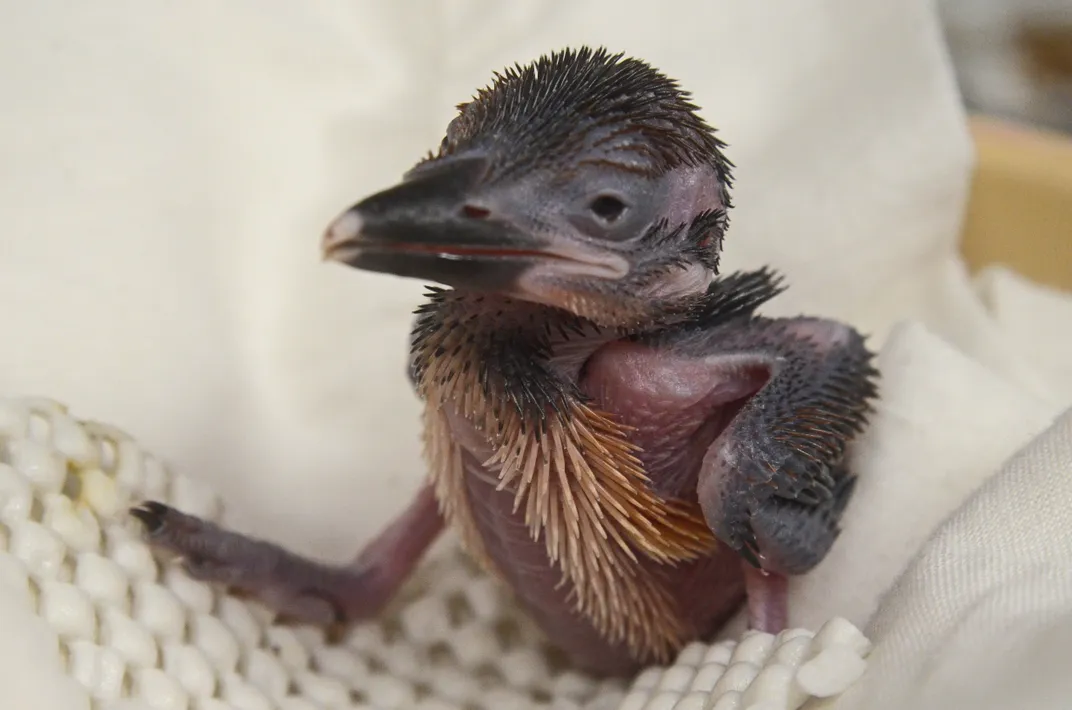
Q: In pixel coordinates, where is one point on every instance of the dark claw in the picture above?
(749, 548)
(749, 556)
(809, 497)
(152, 515)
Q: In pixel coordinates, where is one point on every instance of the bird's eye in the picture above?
(607, 208)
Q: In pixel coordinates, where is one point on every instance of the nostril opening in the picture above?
(474, 212)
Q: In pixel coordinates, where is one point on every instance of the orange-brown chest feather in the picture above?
(575, 477)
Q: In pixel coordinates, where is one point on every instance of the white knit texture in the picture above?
(135, 629)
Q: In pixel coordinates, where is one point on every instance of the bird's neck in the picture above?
(496, 314)
(535, 348)
(622, 316)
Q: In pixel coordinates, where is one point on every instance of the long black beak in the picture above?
(425, 227)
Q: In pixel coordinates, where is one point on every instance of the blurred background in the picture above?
(1013, 58)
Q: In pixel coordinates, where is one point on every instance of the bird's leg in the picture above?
(773, 485)
(298, 588)
(768, 599)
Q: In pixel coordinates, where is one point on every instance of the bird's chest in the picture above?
(672, 407)
(659, 418)
(561, 492)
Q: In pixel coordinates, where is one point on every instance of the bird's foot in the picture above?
(298, 589)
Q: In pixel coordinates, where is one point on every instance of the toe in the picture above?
(152, 515)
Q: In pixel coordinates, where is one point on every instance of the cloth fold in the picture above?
(982, 618)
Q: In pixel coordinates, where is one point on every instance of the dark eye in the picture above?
(607, 208)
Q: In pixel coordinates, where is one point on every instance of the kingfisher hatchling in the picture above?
(609, 425)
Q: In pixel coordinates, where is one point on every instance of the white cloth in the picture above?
(982, 618)
(166, 170)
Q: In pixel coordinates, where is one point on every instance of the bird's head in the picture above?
(583, 181)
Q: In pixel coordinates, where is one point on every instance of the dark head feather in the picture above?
(569, 102)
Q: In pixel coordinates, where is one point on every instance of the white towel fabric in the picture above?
(166, 170)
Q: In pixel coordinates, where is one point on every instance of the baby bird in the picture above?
(610, 426)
